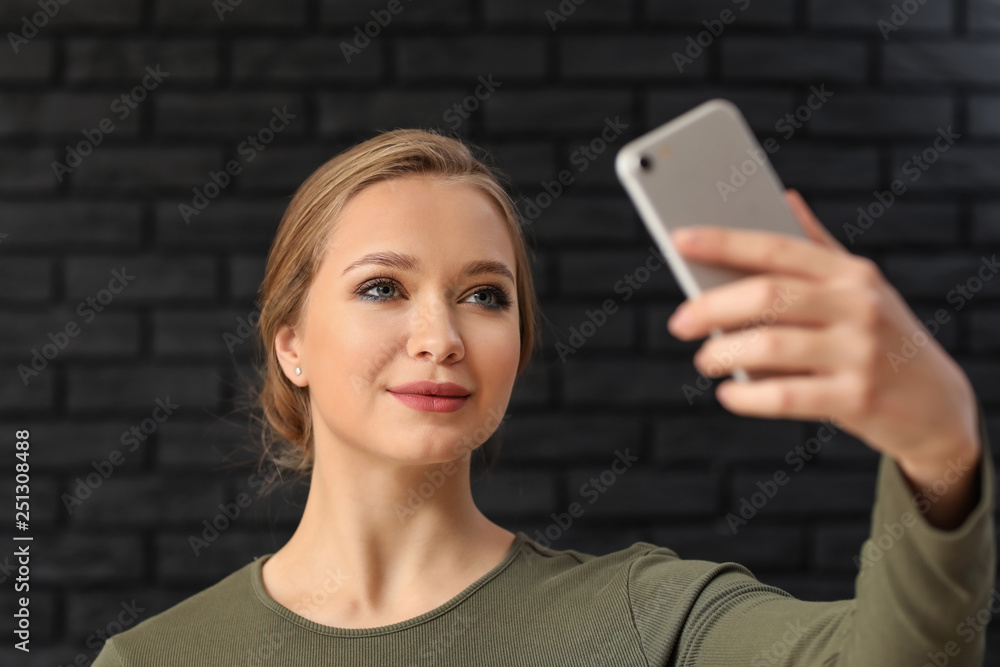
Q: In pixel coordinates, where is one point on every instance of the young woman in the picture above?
(398, 309)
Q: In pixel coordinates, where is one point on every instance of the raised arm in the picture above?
(845, 347)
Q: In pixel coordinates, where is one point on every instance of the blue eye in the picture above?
(501, 300)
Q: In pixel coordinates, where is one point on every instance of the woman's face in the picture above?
(370, 326)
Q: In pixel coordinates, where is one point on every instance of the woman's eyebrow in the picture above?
(405, 262)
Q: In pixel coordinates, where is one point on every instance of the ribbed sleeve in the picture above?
(914, 594)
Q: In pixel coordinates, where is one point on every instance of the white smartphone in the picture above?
(704, 167)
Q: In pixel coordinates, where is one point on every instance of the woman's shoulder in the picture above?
(636, 561)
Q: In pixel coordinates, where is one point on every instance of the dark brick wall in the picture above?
(162, 338)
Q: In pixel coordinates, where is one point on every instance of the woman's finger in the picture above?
(762, 251)
(807, 398)
(763, 299)
(779, 348)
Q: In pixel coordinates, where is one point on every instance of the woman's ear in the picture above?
(286, 346)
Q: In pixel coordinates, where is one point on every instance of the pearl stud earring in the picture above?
(298, 371)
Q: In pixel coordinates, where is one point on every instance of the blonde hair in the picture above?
(280, 407)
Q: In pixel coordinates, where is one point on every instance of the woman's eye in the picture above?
(383, 290)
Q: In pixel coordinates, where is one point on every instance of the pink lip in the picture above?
(429, 403)
(431, 388)
(431, 396)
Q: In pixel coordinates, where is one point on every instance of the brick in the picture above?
(821, 166)
(147, 277)
(26, 171)
(67, 115)
(837, 545)
(283, 13)
(695, 12)
(224, 224)
(282, 169)
(76, 558)
(193, 444)
(125, 60)
(938, 276)
(540, 273)
(177, 333)
(136, 388)
(33, 61)
(592, 158)
(302, 60)
(145, 170)
(983, 325)
(577, 216)
(245, 276)
(797, 59)
(70, 15)
(533, 388)
(904, 223)
(983, 16)
(615, 274)
(527, 163)
(722, 438)
(26, 280)
(941, 62)
(984, 115)
(986, 223)
(866, 15)
(514, 493)
(641, 493)
(18, 398)
(575, 330)
(231, 115)
(632, 57)
(983, 376)
(879, 115)
(282, 508)
(79, 225)
(98, 334)
(807, 493)
(625, 382)
(546, 17)
(94, 611)
(495, 58)
(844, 447)
(133, 501)
(961, 167)
(547, 111)
(435, 13)
(348, 112)
(71, 446)
(538, 438)
(230, 551)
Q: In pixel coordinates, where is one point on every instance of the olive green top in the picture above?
(917, 597)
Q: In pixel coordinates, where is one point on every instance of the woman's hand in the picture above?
(833, 348)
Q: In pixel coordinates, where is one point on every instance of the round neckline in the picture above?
(257, 583)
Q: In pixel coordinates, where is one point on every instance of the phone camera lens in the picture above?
(645, 162)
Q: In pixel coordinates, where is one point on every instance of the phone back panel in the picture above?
(707, 168)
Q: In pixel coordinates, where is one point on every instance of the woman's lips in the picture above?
(430, 403)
